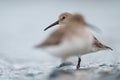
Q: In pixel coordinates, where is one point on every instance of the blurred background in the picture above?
(22, 23)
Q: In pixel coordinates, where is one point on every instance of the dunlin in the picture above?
(72, 38)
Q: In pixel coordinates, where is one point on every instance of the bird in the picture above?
(73, 37)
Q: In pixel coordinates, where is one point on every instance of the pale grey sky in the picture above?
(22, 23)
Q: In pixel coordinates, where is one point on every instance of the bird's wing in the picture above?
(54, 39)
(100, 45)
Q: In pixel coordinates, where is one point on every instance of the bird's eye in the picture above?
(63, 17)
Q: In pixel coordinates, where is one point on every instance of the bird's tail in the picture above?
(106, 47)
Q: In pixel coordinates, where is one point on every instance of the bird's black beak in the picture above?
(55, 23)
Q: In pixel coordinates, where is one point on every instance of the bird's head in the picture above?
(68, 18)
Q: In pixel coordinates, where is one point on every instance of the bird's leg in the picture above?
(64, 63)
(78, 64)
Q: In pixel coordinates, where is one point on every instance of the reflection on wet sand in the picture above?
(64, 72)
(102, 72)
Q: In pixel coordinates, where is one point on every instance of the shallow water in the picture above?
(47, 72)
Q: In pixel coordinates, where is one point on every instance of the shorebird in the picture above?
(72, 38)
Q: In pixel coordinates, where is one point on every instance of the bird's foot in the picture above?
(65, 64)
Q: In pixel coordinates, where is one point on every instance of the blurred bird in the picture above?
(72, 38)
